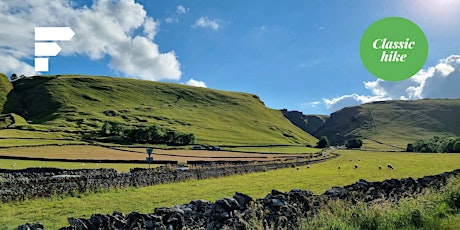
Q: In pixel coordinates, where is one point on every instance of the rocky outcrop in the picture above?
(278, 210)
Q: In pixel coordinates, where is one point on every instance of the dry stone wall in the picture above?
(18, 185)
(278, 210)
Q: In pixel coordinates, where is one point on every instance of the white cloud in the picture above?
(196, 83)
(104, 29)
(350, 100)
(204, 22)
(181, 10)
(150, 28)
(172, 19)
(312, 104)
(440, 81)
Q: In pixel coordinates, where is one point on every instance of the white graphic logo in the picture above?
(46, 48)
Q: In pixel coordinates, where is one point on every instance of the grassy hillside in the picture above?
(395, 122)
(76, 103)
(308, 123)
(5, 87)
(11, 120)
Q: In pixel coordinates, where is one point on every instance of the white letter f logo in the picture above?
(49, 49)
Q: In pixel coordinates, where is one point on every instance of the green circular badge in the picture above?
(393, 49)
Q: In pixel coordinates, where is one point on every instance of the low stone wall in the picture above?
(18, 185)
(279, 210)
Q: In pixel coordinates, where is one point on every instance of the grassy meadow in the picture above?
(53, 212)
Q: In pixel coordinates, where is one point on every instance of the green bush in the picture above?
(353, 143)
(323, 142)
(435, 145)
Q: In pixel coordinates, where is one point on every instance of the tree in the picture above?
(171, 137)
(106, 128)
(155, 134)
(456, 148)
(116, 129)
(323, 142)
(353, 143)
(410, 147)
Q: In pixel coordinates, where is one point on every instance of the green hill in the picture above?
(394, 122)
(308, 123)
(83, 103)
(5, 87)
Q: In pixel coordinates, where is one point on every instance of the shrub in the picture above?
(323, 142)
(435, 144)
(353, 143)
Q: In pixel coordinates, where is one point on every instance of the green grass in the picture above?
(22, 164)
(37, 142)
(319, 177)
(432, 210)
(275, 149)
(16, 133)
(5, 87)
(83, 103)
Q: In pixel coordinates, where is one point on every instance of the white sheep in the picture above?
(356, 166)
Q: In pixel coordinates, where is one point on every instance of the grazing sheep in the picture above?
(308, 166)
(339, 167)
(380, 167)
(350, 160)
(390, 166)
(359, 159)
(83, 165)
(356, 166)
(298, 168)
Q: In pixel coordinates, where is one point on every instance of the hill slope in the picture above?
(395, 122)
(308, 123)
(5, 87)
(215, 117)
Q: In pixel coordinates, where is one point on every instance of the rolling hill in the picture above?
(84, 103)
(394, 122)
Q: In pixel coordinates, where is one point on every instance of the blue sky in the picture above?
(300, 55)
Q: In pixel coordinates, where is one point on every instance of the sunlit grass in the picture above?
(319, 177)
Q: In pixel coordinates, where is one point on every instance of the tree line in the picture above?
(350, 143)
(151, 135)
(435, 144)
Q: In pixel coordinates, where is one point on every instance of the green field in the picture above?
(275, 149)
(22, 164)
(319, 177)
